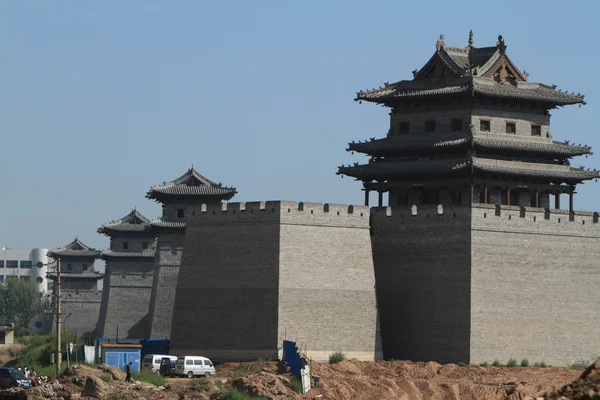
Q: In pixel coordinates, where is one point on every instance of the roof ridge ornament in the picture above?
(440, 43)
(470, 38)
(501, 45)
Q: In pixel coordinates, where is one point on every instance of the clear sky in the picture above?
(99, 100)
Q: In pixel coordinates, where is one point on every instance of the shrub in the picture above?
(235, 395)
(512, 363)
(540, 364)
(106, 377)
(147, 376)
(524, 363)
(579, 365)
(462, 364)
(296, 385)
(219, 384)
(200, 384)
(496, 363)
(485, 364)
(336, 357)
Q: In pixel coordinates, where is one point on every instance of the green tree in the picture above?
(20, 302)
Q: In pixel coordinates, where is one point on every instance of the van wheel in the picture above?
(207, 375)
(190, 374)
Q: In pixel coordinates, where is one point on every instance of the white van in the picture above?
(152, 361)
(191, 366)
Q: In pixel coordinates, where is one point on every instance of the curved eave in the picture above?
(167, 225)
(385, 95)
(110, 230)
(571, 175)
(396, 169)
(173, 198)
(74, 253)
(73, 277)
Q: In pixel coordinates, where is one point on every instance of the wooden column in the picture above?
(537, 198)
(472, 194)
(557, 201)
(366, 197)
(380, 198)
(508, 197)
(485, 195)
(571, 200)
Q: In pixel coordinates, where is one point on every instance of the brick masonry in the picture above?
(480, 283)
(256, 273)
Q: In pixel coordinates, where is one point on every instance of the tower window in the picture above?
(69, 267)
(180, 213)
(430, 126)
(457, 125)
(404, 127)
(511, 127)
(125, 245)
(484, 125)
(144, 245)
(536, 130)
(85, 267)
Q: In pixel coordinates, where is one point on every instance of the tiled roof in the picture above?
(76, 249)
(132, 222)
(419, 168)
(128, 254)
(406, 143)
(191, 184)
(482, 86)
(168, 223)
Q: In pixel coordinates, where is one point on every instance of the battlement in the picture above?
(284, 212)
(487, 216)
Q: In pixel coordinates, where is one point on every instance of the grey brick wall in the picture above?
(533, 286)
(259, 272)
(84, 308)
(422, 270)
(168, 258)
(128, 289)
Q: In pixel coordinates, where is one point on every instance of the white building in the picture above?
(22, 264)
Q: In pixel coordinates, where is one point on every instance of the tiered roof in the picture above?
(190, 184)
(470, 71)
(74, 249)
(132, 222)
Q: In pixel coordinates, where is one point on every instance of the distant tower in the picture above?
(470, 255)
(79, 281)
(128, 277)
(176, 196)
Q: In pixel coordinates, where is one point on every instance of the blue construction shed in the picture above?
(119, 355)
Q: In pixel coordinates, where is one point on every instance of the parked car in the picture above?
(10, 377)
(191, 366)
(167, 366)
(152, 361)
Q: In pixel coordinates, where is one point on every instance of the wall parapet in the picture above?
(284, 212)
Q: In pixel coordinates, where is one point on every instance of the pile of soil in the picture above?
(586, 387)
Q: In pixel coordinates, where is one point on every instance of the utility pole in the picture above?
(58, 310)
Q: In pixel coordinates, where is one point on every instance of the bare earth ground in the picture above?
(398, 380)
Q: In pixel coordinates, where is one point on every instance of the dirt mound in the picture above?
(266, 385)
(586, 387)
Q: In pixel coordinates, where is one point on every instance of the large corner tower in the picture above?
(473, 249)
(176, 197)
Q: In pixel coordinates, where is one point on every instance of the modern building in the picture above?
(128, 277)
(176, 197)
(79, 287)
(22, 264)
(475, 257)
(7, 335)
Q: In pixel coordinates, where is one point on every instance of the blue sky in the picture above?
(101, 100)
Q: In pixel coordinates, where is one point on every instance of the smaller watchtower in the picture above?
(128, 277)
(79, 285)
(176, 197)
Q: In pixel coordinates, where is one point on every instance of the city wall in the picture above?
(484, 282)
(422, 269)
(535, 273)
(256, 273)
(169, 248)
(127, 290)
(84, 307)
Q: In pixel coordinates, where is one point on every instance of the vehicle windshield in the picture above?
(180, 361)
(15, 373)
(147, 359)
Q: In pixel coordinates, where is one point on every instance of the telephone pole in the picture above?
(58, 310)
